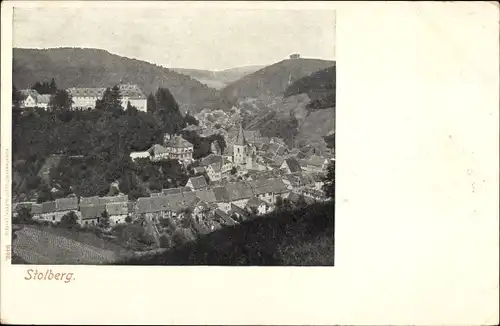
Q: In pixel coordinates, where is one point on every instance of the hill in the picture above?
(218, 79)
(77, 67)
(273, 80)
(304, 114)
(301, 237)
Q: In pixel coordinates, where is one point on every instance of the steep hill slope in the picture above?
(300, 237)
(272, 80)
(76, 67)
(218, 79)
(309, 100)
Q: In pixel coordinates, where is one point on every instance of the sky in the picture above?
(198, 38)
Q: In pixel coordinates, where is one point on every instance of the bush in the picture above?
(69, 220)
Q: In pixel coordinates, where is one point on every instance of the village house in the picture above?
(295, 198)
(240, 213)
(223, 218)
(53, 211)
(237, 193)
(86, 98)
(257, 206)
(314, 164)
(269, 190)
(199, 170)
(140, 155)
(158, 153)
(168, 206)
(214, 172)
(179, 190)
(197, 183)
(290, 165)
(117, 212)
(206, 195)
(30, 98)
(91, 214)
(178, 148)
(313, 193)
(297, 180)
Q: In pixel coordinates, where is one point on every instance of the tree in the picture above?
(190, 120)
(61, 101)
(329, 181)
(151, 103)
(128, 219)
(104, 220)
(44, 194)
(24, 214)
(233, 170)
(69, 219)
(111, 101)
(131, 110)
(53, 86)
(167, 110)
(301, 201)
(279, 203)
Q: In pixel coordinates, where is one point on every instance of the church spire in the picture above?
(240, 139)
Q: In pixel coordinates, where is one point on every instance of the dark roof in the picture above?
(91, 211)
(86, 92)
(177, 142)
(199, 169)
(294, 198)
(117, 208)
(262, 186)
(49, 207)
(238, 190)
(131, 91)
(226, 218)
(293, 165)
(221, 194)
(210, 159)
(66, 204)
(255, 202)
(198, 182)
(206, 195)
(157, 149)
(170, 191)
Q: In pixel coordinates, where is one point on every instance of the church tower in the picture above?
(240, 148)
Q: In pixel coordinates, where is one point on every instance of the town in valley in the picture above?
(150, 165)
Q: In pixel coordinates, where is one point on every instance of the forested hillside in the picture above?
(76, 67)
(272, 80)
(319, 86)
(92, 148)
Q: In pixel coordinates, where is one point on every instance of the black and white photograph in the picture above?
(173, 137)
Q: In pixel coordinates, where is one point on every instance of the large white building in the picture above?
(86, 98)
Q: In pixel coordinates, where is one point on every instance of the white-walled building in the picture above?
(86, 98)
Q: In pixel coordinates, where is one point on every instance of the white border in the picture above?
(417, 178)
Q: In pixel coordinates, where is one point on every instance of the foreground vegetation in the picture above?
(299, 237)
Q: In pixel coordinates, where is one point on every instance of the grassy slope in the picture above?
(299, 238)
(75, 67)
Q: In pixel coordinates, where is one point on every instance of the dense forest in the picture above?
(93, 146)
